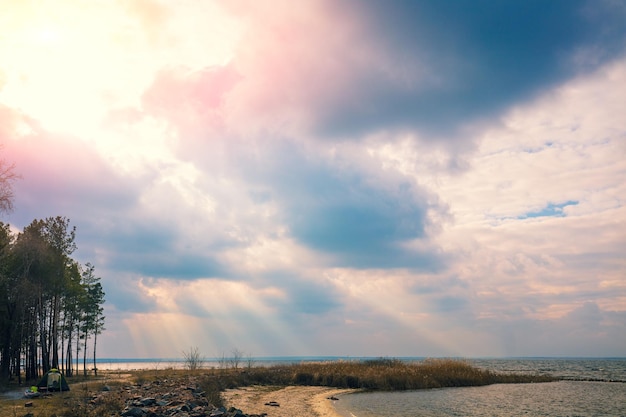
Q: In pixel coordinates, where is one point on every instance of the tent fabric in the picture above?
(53, 380)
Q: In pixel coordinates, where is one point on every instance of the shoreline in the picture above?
(292, 400)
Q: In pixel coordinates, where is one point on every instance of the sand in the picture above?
(293, 400)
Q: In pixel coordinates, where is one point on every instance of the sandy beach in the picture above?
(292, 400)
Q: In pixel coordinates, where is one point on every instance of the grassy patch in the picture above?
(381, 374)
(378, 374)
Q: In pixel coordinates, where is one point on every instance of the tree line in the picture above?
(50, 305)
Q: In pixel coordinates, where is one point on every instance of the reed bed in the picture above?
(378, 374)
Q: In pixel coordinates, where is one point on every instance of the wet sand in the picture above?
(292, 400)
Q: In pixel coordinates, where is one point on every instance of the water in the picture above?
(564, 398)
(586, 391)
(598, 369)
(116, 364)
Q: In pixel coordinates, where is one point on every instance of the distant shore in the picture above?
(291, 400)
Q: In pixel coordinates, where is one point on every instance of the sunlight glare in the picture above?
(69, 67)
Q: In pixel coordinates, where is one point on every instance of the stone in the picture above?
(146, 402)
(134, 412)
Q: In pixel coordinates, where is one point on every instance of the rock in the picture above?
(146, 402)
(199, 403)
(134, 412)
(272, 404)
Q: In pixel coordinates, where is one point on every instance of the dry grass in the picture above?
(382, 374)
(378, 374)
(73, 403)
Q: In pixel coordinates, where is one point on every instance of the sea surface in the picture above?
(590, 387)
(115, 364)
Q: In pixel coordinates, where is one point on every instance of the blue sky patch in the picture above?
(551, 210)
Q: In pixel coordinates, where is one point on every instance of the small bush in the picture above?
(193, 359)
(386, 362)
(304, 378)
(213, 388)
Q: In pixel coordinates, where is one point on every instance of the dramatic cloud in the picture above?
(330, 177)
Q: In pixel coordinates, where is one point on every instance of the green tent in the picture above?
(53, 380)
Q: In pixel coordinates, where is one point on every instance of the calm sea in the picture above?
(590, 387)
(114, 364)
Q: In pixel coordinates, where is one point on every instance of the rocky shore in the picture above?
(161, 398)
(185, 398)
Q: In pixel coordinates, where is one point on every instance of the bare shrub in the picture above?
(236, 359)
(193, 359)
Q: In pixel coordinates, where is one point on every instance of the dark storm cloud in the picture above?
(358, 215)
(454, 62)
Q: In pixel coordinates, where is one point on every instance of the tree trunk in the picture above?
(68, 358)
(85, 356)
(64, 368)
(54, 336)
(5, 362)
(43, 340)
(17, 368)
(5, 354)
(32, 358)
(77, 348)
(95, 341)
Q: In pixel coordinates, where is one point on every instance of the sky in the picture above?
(330, 177)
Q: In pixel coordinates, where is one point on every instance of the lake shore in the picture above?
(282, 390)
(291, 400)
